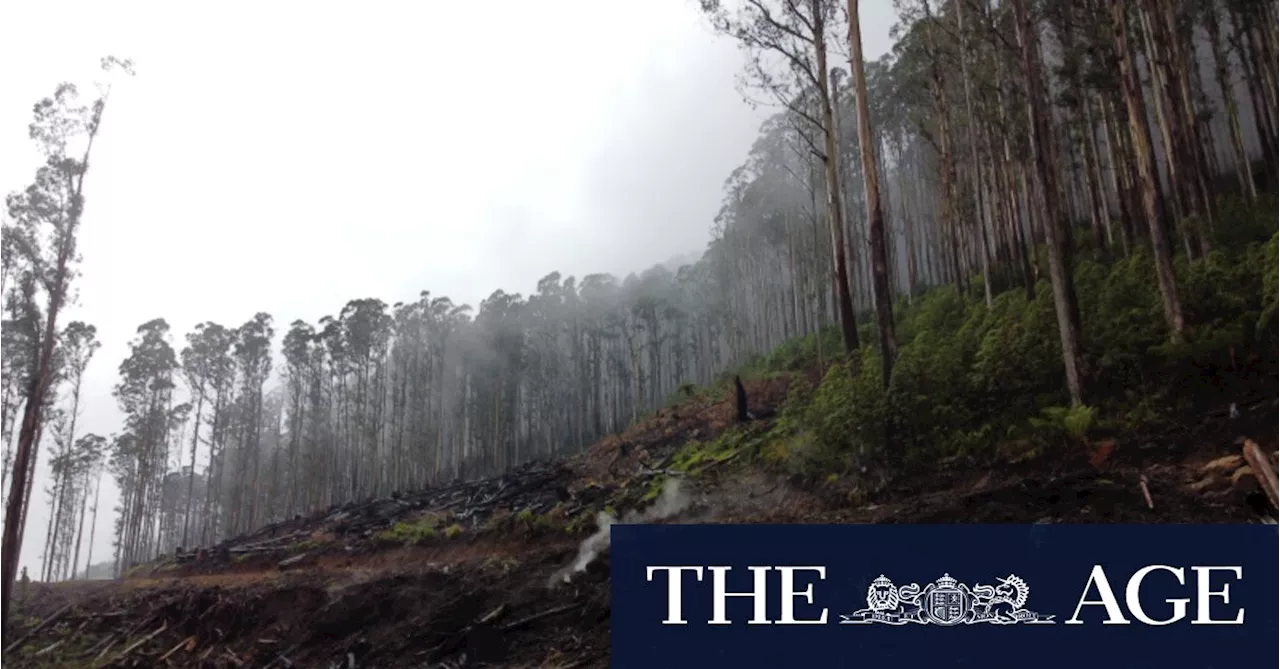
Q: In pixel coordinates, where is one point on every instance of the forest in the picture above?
(1049, 211)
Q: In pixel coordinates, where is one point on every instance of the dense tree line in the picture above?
(387, 397)
(996, 143)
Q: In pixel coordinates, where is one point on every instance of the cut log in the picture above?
(134, 646)
(494, 614)
(539, 616)
(105, 643)
(1262, 469)
(1223, 465)
(189, 641)
(57, 615)
(293, 561)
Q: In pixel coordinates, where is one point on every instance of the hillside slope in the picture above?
(503, 572)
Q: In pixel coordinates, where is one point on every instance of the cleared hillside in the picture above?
(482, 573)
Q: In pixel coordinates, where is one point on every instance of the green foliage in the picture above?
(1240, 223)
(409, 532)
(579, 523)
(834, 426)
(529, 520)
(973, 379)
(1270, 288)
(453, 531)
(655, 488)
(1064, 423)
(696, 456)
(796, 353)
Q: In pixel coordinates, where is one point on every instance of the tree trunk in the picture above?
(871, 187)
(1060, 274)
(1244, 169)
(1123, 171)
(84, 509)
(93, 526)
(844, 298)
(1146, 177)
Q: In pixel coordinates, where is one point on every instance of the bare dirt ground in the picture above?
(334, 590)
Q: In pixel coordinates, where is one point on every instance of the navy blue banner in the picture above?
(1045, 596)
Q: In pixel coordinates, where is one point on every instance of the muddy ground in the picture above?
(483, 587)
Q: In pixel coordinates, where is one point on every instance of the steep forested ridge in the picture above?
(1024, 172)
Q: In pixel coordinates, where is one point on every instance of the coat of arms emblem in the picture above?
(947, 602)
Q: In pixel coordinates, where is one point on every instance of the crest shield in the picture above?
(947, 606)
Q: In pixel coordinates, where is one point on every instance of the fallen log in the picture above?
(539, 616)
(494, 614)
(293, 561)
(106, 650)
(134, 646)
(189, 640)
(57, 615)
(107, 641)
(1261, 466)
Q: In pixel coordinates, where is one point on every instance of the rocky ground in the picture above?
(483, 573)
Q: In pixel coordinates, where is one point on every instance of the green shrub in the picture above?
(969, 378)
(409, 533)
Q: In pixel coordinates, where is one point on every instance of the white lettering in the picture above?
(789, 594)
(1133, 595)
(1203, 593)
(673, 590)
(1098, 578)
(759, 594)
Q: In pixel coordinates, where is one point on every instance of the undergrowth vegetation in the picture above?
(969, 379)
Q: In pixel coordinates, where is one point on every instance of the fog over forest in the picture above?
(337, 260)
(334, 154)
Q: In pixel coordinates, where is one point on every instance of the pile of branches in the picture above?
(140, 632)
(536, 487)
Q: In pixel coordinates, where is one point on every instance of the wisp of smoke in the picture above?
(671, 501)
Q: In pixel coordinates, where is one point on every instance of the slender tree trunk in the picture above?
(844, 298)
(1244, 169)
(1146, 177)
(1177, 67)
(1263, 120)
(55, 498)
(84, 508)
(871, 187)
(191, 477)
(1122, 175)
(1182, 207)
(1064, 297)
(980, 218)
(93, 526)
(909, 224)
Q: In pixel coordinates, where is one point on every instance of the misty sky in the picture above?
(290, 156)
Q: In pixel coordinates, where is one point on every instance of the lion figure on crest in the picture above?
(882, 595)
